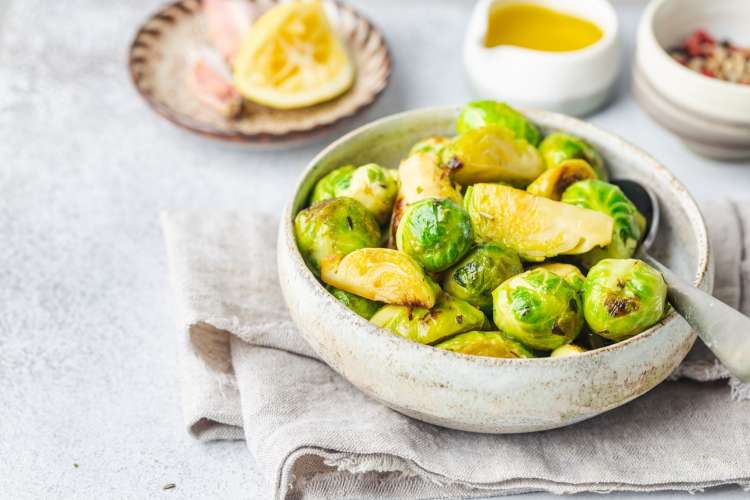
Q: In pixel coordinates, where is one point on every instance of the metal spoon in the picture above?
(723, 329)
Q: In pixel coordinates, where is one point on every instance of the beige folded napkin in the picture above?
(246, 374)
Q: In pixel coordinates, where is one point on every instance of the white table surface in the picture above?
(88, 393)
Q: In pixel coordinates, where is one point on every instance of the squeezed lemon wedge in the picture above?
(291, 58)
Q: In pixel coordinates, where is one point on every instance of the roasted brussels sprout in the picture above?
(623, 297)
(533, 226)
(610, 200)
(477, 114)
(382, 275)
(491, 344)
(568, 272)
(480, 272)
(435, 232)
(426, 326)
(360, 305)
(539, 309)
(372, 185)
(421, 178)
(558, 147)
(554, 181)
(430, 145)
(333, 228)
(492, 154)
(567, 350)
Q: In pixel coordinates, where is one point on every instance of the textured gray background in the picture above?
(87, 357)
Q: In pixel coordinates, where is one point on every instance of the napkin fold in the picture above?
(247, 374)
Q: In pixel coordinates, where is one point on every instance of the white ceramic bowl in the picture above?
(711, 116)
(576, 82)
(479, 393)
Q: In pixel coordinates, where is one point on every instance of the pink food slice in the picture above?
(228, 22)
(211, 82)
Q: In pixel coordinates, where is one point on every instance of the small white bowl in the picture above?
(711, 116)
(575, 82)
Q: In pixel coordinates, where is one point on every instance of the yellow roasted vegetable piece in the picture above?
(554, 181)
(383, 275)
(533, 226)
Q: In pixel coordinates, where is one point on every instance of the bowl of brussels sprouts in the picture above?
(472, 267)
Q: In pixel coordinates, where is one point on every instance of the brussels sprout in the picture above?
(567, 350)
(491, 344)
(554, 181)
(492, 154)
(480, 272)
(421, 178)
(539, 309)
(568, 272)
(426, 326)
(610, 200)
(333, 181)
(360, 305)
(623, 297)
(558, 147)
(435, 232)
(372, 185)
(382, 275)
(477, 114)
(533, 226)
(333, 228)
(430, 145)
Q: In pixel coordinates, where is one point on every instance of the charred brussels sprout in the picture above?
(448, 317)
(480, 272)
(372, 185)
(333, 228)
(492, 154)
(360, 305)
(430, 145)
(567, 350)
(539, 309)
(477, 114)
(435, 232)
(491, 344)
(558, 147)
(623, 297)
(533, 226)
(554, 181)
(382, 275)
(568, 272)
(610, 200)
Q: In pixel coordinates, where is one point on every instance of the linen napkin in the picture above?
(246, 374)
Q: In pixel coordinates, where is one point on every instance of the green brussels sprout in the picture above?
(360, 305)
(430, 145)
(610, 200)
(539, 309)
(491, 344)
(333, 228)
(558, 147)
(568, 272)
(435, 232)
(477, 114)
(448, 317)
(623, 297)
(372, 185)
(567, 350)
(480, 272)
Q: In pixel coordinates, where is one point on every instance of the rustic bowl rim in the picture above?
(701, 279)
(187, 123)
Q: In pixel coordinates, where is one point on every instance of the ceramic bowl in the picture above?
(159, 62)
(711, 116)
(576, 82)
(479, 393)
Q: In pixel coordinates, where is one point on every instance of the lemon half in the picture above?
(291, 58)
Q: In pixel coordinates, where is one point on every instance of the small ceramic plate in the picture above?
(159, 58)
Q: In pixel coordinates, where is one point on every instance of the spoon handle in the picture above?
(723, 329)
